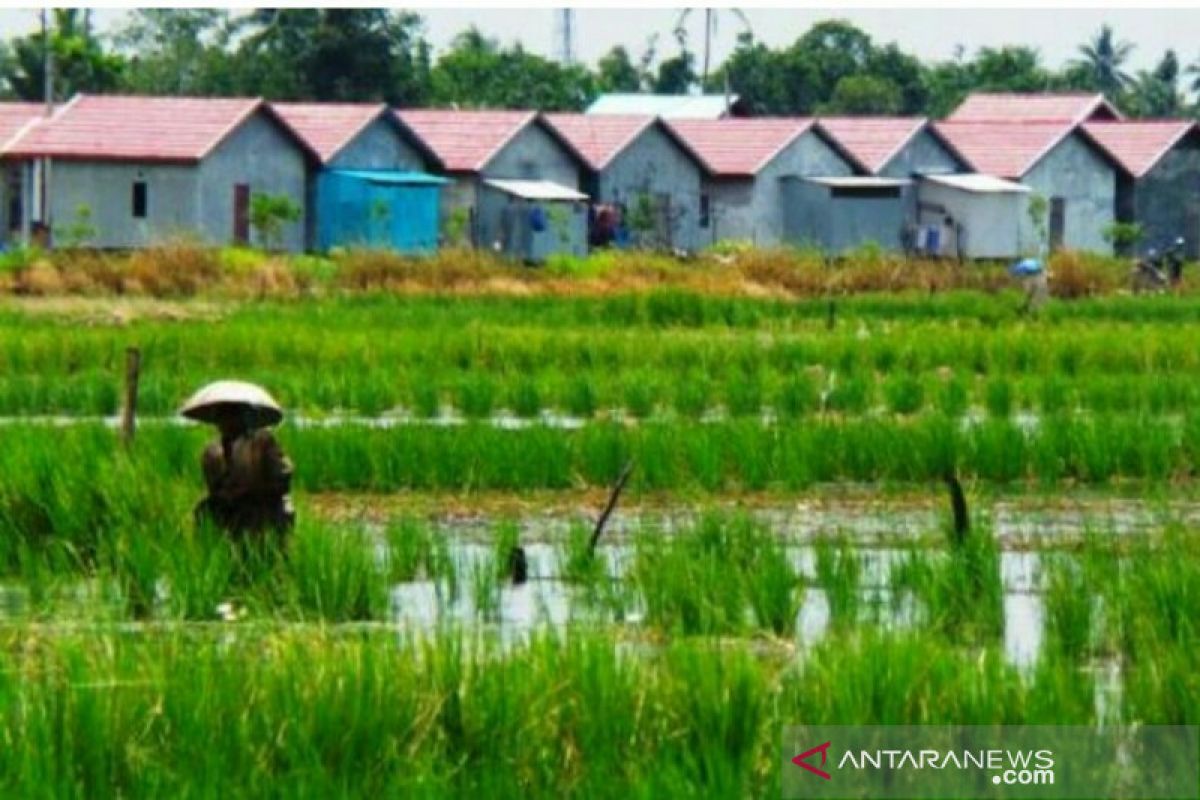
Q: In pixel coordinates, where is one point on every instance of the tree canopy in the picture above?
(353, 54)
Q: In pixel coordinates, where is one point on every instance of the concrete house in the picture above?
(1160, 186)
(637, 162)
(14, 119)
(1057, 161)
(136, 170)
(370, 186)
(754, 166)
(516, 181)
(670, 106)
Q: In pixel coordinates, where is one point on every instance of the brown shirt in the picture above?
(248, 481)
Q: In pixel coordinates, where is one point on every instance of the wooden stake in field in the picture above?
(133, 366)
(613, 497)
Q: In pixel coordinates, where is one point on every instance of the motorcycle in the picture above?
(1156, 270)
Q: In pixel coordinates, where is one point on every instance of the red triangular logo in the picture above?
(802, 760)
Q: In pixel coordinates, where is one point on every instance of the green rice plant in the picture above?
(1055, 396)
(640, 395)
(580, 399)
(1068, 614)
(903, 394)
(692, 394)
(998, 397)
(797, 396)
(525, 398)
(425, 399)
(849, 394)
(334, 574)
(485, 589)
(476, 396)
(953, 397)
(744, 394)
(838, 574)
(410, 549)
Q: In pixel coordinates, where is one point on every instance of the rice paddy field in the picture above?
(782, 553)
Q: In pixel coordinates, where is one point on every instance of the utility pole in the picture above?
(564, 35)
(48, 96)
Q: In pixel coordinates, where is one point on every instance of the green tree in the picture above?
(477, 71)
(864, 95)
(179, 51)
(80, 63)
(269, 215)
(1101, 59)
(1009, 69)
(677, 75)
(345, 54)
(616, 72)
(833, 49)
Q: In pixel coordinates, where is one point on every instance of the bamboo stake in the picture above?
(133, 365)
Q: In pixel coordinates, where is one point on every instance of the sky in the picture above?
(931, 34)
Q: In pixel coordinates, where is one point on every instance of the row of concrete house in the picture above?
(133, 171)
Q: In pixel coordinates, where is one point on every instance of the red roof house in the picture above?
(1161, 188)
(354, 135)
(142, 169)
(896, 146)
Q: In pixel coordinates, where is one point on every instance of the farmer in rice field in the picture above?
(1031, 272)
(247, 474)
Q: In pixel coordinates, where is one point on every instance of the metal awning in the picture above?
(860, 182)
(536, 190)
(977, 183)
(393, 177)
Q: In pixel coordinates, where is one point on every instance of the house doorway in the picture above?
(1058, 222)
(241, 213)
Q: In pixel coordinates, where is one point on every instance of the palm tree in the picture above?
(1193, 69)
(710, 31)
(1102, 59)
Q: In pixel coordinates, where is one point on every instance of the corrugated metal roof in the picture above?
(738, 147)
(15, 116)
(536, 190)
(859, 182)
(1138, 146)
(399, 177)
(667, 106)
(599, 139)
(465, 141)
(873, 140)
(1005, 149)
(1033, 107)
(328, 127)
(978, 184)
(127, 128)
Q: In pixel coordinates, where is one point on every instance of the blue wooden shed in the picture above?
(378, 208)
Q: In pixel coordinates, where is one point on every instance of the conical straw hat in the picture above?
(214, 400)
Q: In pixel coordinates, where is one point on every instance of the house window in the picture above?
(139, 199)
(705, 210)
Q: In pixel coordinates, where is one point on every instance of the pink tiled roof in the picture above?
(738, 147)
(1138, 146)
(15, 116)
(120, 128)
(598, 138)
(465, 141)
(873, 140)
(1033, 107)
(1003, 149)
(328, 127)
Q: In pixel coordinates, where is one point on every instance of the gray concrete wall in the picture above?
(753, 210)
(836, 224)
(1166, 201)
(504, 226)
(654, 164)
(1074, 171)
(106, 191)
(992, 223)
(379, 146)
(260, 154)
(533, 154)
(922, 154)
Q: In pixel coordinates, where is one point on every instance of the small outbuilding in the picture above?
(537, 219)
(370, 186)
(838, 214)
(637, 165)
(128, 171)
(1159, 188)
(473, 148)
(747, 162)
(972, 216)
